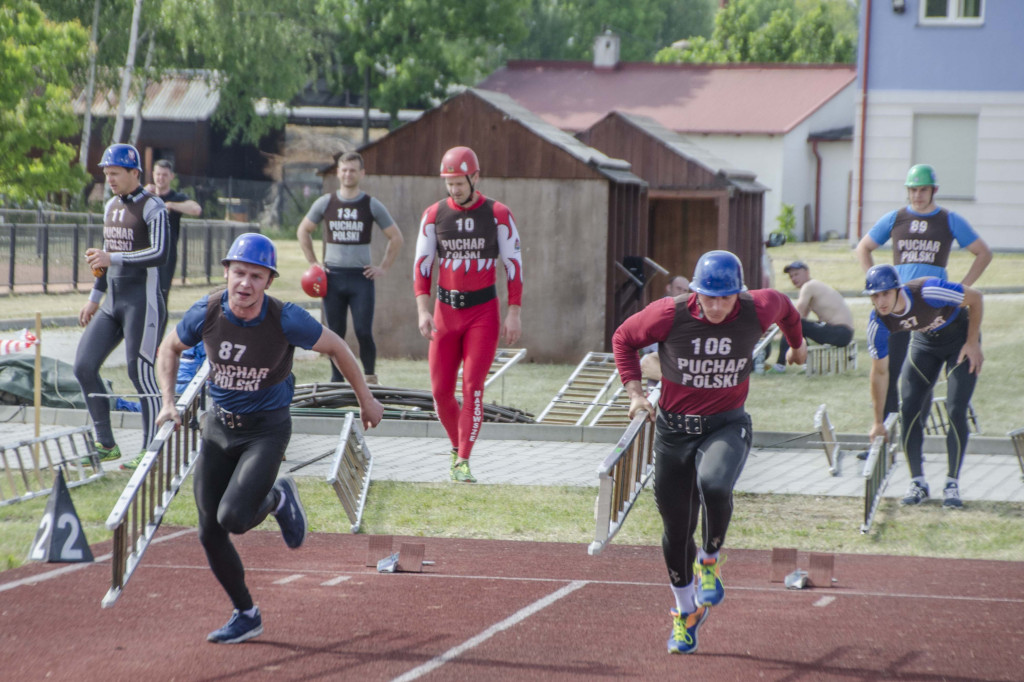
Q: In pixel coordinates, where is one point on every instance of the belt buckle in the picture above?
(455, 298)
(693, 424)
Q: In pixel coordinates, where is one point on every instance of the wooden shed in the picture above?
(697, 202)
(578, 211)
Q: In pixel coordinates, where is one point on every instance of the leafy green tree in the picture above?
(252, 50)
(767, 31)
(36, 57)
(563, 29)
(414, 52)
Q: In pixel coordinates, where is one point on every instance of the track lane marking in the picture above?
(335, 581)
(517, 617)
(56, 573)
(289, 579)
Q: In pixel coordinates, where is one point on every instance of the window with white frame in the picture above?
(946, 12)
(949, 142)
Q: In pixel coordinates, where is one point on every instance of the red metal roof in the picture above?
(765, 99)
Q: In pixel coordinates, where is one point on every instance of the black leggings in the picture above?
(691, 472)
(233, 485)
(819, 332)
(349, 288)
(929, 351)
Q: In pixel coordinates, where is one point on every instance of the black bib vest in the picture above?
(466, 235)
(699, 355)
(917, 239)
(348, 222)
(246, 358)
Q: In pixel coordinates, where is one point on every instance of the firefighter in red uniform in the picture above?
(466, 234)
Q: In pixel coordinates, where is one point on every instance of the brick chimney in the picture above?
(606, 51)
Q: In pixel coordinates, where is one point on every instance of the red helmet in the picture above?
(459, 161)
(314, 281)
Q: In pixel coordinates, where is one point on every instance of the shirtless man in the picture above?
(834, 325)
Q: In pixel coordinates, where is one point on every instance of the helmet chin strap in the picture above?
(472, 193)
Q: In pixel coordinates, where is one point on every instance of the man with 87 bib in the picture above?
(250, 338)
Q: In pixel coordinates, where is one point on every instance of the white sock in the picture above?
(250, 613)
(702, 555)
(685, 598)
(918, 479)
(951, 480)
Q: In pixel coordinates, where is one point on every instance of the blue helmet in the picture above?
(718, 273)
(254, 248)
(881, 278)
(123, 155)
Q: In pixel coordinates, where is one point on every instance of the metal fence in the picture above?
(44, 251)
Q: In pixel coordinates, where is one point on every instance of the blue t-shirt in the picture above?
(935, 293)
(961, 229)
(300, 328)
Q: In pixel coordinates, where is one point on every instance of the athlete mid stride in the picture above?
(466, 234)
(702, 431)
(250, 338)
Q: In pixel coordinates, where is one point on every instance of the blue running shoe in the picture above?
(292, 516)
(707, 576)
(240, 628)
(683, 639)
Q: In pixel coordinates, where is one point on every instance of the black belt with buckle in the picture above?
(466, 299)
(234, 420)
(696, 424)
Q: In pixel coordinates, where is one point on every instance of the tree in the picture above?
(416, 52)
(765, 31)
(36, 57)
(561, 29)
(253, 50)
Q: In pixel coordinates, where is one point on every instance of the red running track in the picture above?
(506, 611)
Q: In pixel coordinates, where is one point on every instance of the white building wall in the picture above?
(786, 164)
(762, 154)
(998, 204)
(836, 165)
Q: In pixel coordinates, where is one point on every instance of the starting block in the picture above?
(784, 565)
(823, 425)
(378, 546)
(408, 558)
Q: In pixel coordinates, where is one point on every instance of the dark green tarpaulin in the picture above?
(59, 386)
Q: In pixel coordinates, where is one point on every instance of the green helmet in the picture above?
(921, 175)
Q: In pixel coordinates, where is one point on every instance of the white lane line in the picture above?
(56, 573)
(824, 601)
(519, 616)
(334, 581)
(289, 579)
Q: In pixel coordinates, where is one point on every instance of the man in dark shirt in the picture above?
(177, 204)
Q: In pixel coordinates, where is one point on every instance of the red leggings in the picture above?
(468, 337)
